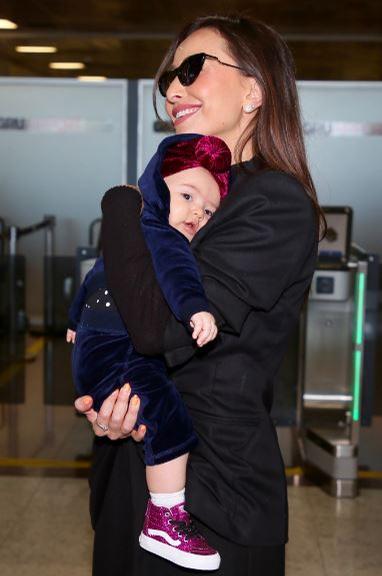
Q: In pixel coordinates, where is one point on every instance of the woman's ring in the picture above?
(103, 427)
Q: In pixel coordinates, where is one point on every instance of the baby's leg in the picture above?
(168, 477)
(166, 482)
(168, 529)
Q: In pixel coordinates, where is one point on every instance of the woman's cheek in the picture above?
(167, 107)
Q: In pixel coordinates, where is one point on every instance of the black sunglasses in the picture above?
(188, 71)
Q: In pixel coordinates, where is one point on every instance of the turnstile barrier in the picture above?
(333, 370)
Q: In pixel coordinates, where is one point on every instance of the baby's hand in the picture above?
(70, 336)
(204, 326)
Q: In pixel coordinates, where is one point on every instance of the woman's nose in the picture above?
(174, 91)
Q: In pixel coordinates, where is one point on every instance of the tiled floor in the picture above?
(37, 416)
(330, 537)
(44, 527)
(44, 530)
(44, 522)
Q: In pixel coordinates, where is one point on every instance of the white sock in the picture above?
(168, 500)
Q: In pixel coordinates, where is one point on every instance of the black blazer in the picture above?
(257, 256)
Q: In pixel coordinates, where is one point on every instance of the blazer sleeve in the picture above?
(129, 272)
(253, 253)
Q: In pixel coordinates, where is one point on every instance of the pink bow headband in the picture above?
(208, 152)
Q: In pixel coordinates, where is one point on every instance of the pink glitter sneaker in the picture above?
(170, 533)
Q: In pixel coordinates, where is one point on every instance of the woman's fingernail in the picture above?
(135, 400)
(126, 387)
(142, 429)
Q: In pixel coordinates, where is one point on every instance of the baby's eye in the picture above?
(208, 213)
(186, 196)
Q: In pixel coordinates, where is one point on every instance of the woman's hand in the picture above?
(117, 416)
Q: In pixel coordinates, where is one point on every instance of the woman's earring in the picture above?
(248, 108)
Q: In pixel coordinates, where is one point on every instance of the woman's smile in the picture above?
(182, 112)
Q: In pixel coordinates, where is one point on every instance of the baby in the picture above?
(181, 188)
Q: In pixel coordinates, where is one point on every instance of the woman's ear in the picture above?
(254, 98)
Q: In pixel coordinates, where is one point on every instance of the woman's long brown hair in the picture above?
(275, 131)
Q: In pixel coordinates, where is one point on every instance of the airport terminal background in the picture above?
(63, 143)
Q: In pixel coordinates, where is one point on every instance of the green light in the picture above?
(357, 384)
(359, 302)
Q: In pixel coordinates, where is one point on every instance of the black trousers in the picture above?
(117, 505)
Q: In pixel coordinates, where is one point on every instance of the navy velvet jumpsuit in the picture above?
(104, 357)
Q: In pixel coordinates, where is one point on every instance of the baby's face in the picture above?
(194, 197)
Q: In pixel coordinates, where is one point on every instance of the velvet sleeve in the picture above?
(255, 249)
(129, 272)
(174, 263)
(175, 267)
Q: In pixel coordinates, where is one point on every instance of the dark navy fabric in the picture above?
(104, 357)
(174, 264)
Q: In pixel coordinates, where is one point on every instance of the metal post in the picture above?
(2, 236)
(49, 432)
(49, 237)
(12, 409)
(12, 240)
(92, 226)
(48, 280)
(12, 284)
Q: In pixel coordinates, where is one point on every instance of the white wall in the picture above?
(72, 148)
(343, 124)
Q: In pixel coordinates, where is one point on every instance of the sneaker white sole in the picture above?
(185, 559)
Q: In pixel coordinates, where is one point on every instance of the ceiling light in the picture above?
(7, 24)
(67, 65)
(92, 78)
(36, 49)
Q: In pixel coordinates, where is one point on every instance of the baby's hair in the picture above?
(208, 152)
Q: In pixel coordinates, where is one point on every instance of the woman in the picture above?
(233, 78)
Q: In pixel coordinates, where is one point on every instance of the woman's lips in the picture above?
(183, 112)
